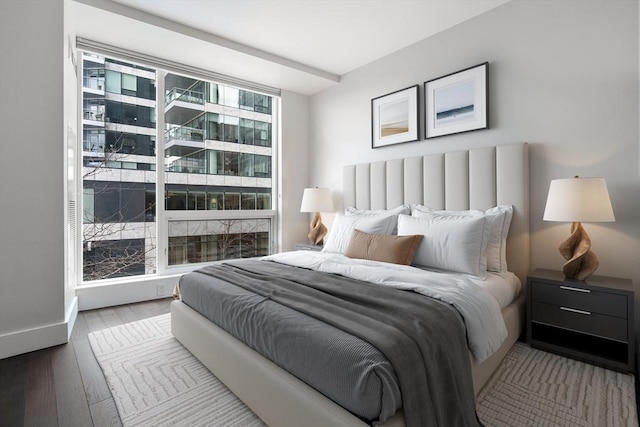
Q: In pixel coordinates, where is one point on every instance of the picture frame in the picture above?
(457, 102)
(394, 117)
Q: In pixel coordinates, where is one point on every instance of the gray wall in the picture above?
(294, 171)
(563, 77)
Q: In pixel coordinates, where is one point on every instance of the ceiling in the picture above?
(323, 39)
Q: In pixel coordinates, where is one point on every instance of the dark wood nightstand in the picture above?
(590, 321)
(308, 247)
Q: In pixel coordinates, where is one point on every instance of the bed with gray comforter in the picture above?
(371, 349)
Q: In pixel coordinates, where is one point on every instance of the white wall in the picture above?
(70, 135)
(563, 77)
(32, 139)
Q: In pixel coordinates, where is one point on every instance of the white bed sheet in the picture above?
(479, 301)
(504, 287)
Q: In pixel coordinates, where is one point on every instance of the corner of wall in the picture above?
(294, 162)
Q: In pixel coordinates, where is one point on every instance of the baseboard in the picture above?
(15, 343)
(126, 292)
(71, 316)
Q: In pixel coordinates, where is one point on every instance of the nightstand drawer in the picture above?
(580, 298)
(570, 317)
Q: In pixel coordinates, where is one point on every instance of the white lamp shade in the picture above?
(316, 200)
(578, 200)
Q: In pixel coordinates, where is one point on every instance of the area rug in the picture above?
(155, 381)
(536, 388)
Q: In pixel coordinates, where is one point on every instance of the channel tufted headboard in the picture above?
(473, 179)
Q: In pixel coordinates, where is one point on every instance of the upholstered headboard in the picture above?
(473, 179)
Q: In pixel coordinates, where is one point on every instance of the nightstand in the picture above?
(588, 320)
(308, 247)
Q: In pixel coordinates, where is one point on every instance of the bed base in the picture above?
(279, 398)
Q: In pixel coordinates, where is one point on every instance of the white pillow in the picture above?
(498, 222)
(402, 209)
(379, 213)
(455, 243)
(497, 247)
(343, 226)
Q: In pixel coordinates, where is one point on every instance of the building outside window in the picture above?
(215, 159)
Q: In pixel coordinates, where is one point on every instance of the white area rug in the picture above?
(536, 388)
(155, 381)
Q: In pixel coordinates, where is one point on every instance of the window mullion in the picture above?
(161, 223)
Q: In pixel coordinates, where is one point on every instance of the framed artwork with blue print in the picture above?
(457, 102)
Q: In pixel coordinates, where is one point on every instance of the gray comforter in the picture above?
(422, 338)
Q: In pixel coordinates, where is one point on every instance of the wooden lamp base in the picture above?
(581, 261)
(318, 230)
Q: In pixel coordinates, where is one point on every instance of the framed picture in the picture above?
(394, 117)
(457, 102)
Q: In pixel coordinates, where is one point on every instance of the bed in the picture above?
(475, 179)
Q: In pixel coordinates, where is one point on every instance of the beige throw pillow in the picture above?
(383, 247)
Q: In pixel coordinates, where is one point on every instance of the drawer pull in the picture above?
(573, 310)
(569, 288)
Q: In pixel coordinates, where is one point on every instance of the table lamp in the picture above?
(317, 200)
(578, 200)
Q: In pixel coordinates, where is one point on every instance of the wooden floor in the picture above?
(63, 385)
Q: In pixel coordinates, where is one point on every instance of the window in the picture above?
(129, 85)
(230, 128)
(262, 166)
(229, 96)
(93, 76)
(255, 102)
(114, 83)
(128, 79)
(214, 136)
(114, 258)
(217, 240)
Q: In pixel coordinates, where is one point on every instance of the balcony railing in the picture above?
(91, 114)
(96, 83)
(187, 165)
(184, 95)
(93, 146)
(185, 133)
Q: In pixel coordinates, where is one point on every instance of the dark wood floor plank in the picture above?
(126, 313)
(94, 320)
(142, 310)
(164, 305)
(95, 386)
(110, 317)
(105, 414)
(41, 409)
(161, 306)
(80, 328)
(149, 309)
(71, 398)
(13, 380)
